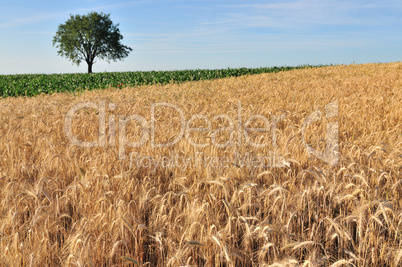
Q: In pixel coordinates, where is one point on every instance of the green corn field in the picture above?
(34, 84)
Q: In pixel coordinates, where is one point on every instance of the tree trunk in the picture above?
(90, 67)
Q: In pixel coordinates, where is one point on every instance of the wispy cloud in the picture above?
(10, 62)
(241, 28)
(229, 42)
(16, 22)
(100, 8)
(302, 13)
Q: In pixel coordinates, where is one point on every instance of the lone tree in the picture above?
(88, 37)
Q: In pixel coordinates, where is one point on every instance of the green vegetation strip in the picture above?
(34, 84)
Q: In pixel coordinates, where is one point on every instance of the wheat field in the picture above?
(219, 194)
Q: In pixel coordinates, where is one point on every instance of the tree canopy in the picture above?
(89, 37)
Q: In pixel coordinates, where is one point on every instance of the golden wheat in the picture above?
(193, 203)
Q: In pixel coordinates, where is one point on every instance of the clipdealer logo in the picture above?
(117, 125)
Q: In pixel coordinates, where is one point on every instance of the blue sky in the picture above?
(178, 34)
